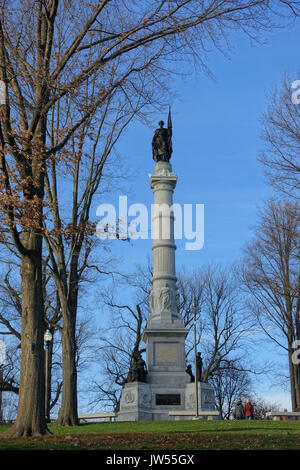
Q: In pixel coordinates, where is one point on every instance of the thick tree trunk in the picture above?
(297, 383)
(292, 380)
(31, 407)
(294, 371)
(48, 377)
(68, 414)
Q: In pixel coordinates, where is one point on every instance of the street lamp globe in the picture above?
(47, 336)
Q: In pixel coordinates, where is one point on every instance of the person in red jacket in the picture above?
(248, 409)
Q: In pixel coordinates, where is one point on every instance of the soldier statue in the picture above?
(189, 371)
(137, 371)
(199, 363)
(162, 142)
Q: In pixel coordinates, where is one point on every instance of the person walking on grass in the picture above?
(239, 410)
(248, 409)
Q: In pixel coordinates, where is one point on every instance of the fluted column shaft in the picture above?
(163, 303)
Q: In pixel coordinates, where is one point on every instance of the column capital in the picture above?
(170, 181)
(163, 174)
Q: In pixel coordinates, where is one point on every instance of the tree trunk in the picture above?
(68, 414)
(31, 407)
(292, 381)
(296, 368)
(48, 376)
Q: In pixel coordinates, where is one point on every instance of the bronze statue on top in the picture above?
(162, 141)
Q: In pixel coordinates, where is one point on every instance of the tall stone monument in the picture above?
(167, 386)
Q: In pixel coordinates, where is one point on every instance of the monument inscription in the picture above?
(167, 399)
(166, 352)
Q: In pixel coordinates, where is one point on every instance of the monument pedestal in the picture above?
(135, 403)
(168, 386)
(152, 402)
(206, 397)
(167, 378)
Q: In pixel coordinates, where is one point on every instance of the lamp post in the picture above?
(195, 360)
(47, 339)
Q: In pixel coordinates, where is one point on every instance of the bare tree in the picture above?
(230, 384)
(262, 406)
(224, 321)
(10, 324)
(281, 135)
(118, 346)
(271, 275)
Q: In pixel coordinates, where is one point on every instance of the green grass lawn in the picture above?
(157, 435)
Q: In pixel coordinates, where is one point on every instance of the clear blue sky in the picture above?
(216, 128)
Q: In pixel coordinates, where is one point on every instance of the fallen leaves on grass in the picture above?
(156, 441)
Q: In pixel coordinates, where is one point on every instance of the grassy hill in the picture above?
(176, 435)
